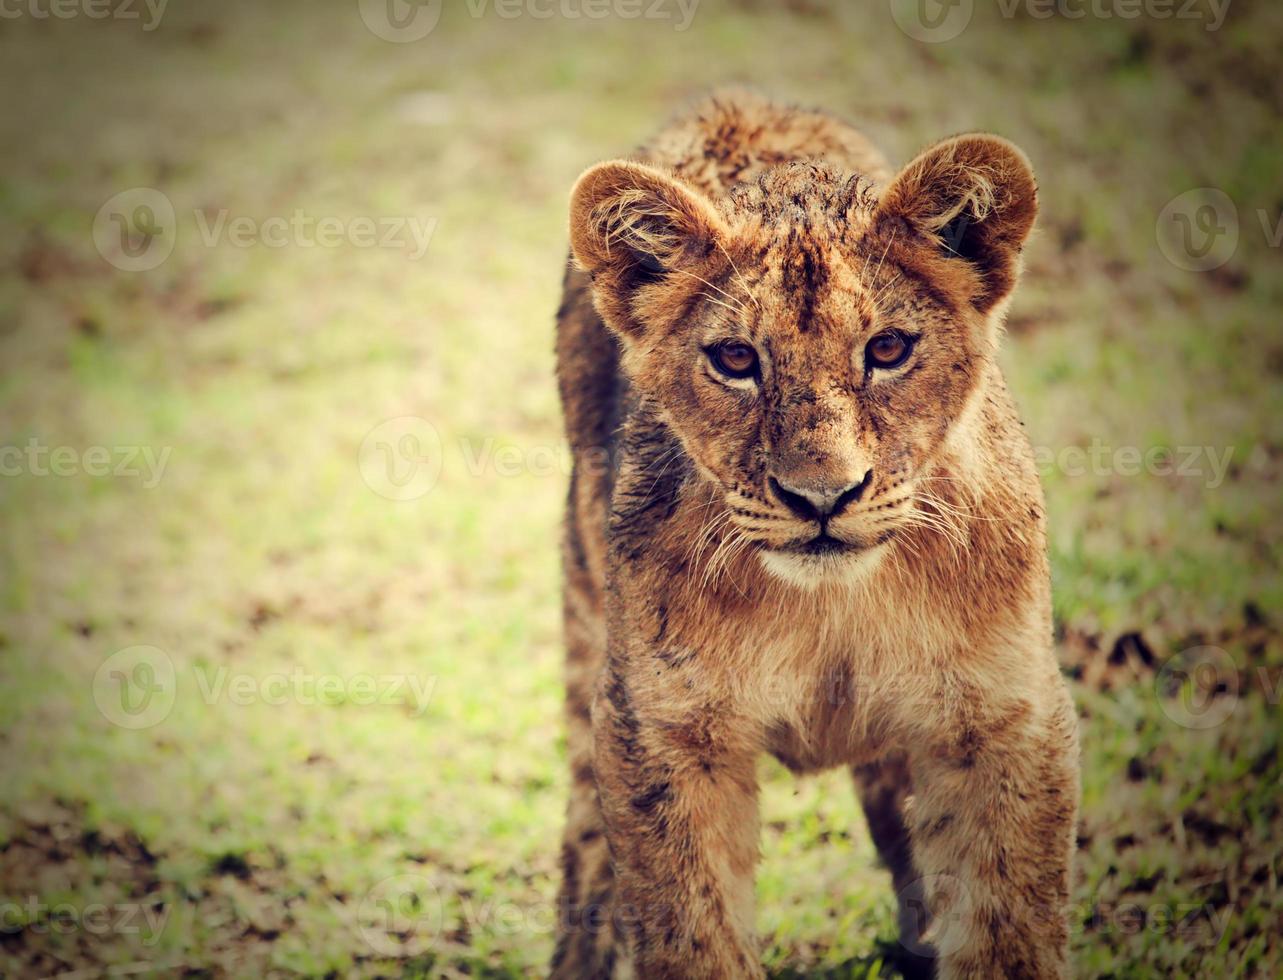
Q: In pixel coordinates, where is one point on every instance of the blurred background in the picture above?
(281, 465)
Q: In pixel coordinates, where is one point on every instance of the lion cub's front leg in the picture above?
(992, 827)
(679, 797)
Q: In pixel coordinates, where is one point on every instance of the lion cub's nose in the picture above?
(819, 503)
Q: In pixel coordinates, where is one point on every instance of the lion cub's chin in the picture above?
(810, 571)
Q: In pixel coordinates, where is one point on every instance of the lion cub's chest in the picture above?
(827, 729)
(826, 694)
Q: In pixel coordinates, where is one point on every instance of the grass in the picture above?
(268, 826)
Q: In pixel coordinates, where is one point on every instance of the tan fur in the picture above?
(701, 632)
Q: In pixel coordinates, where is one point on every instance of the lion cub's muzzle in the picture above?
(815, 501)
(819, 503)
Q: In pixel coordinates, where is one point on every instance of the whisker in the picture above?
(744, 544)
(737, 310)
(743, 283)
(880, 260)
(672, 456)
(711, 566)
(954, 511)
(947, 531)
(696, 550)
(710, 285)
(881, 292)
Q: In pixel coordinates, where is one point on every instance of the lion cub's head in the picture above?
(812, 340)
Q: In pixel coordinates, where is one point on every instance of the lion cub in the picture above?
(804, 520)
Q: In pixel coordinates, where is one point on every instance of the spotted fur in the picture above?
(706, 620)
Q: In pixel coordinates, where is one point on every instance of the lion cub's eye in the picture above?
(734, 359)
(888, 349)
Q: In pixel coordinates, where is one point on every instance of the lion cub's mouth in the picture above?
(825, 545)
(822, 544)
(821, 558)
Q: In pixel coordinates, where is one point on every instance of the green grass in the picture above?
(262, 831)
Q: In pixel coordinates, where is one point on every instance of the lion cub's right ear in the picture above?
(977, 196)
(642, 235)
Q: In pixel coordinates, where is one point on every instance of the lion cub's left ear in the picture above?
(976, 195)
(631, 227)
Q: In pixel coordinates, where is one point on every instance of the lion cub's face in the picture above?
(810, 343)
